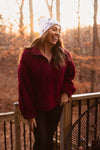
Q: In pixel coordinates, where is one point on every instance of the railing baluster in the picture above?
(24, 137)
(79, 125)
(96, 111)
(11, 136)
(5, 135)
(87, 126)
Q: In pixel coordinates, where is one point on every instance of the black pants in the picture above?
(47, 122)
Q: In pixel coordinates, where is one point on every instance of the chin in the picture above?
(53, 43)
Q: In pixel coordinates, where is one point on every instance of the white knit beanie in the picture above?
(46, 23)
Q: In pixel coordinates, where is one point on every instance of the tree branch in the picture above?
(47, 4)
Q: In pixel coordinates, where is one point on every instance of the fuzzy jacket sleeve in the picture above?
(68, 86)
(26, 97)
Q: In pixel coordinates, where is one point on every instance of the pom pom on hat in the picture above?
(46, 23)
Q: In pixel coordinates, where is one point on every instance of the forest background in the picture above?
(82, 41)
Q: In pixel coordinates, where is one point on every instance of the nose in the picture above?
(57, 32)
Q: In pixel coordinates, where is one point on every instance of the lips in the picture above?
(55, 38)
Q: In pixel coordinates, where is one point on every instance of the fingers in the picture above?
(32, 124)
(64, 99)
(61, 103)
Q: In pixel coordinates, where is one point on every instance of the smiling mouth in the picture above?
(55, 38)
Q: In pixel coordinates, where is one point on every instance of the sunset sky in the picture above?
(9, 10)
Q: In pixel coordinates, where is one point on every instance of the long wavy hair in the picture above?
(59, 55)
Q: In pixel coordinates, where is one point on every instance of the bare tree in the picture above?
(78, 38)
(95, 28)
(50, 6)
(58, 10)
(31, 20)
(94, 46)
(21, 24)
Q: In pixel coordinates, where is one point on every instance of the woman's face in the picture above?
(54, 34)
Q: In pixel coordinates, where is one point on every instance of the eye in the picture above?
(54, 29)
(58, 30)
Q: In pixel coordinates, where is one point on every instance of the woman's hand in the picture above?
(64, 99)
(32, 124)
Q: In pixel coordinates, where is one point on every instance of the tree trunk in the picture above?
(78, 38)
(50, 6)
(58, 10)
(21, 24)
(94, 47)
(31, 20)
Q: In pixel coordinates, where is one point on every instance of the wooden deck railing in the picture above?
(72, 111)
(19, 132)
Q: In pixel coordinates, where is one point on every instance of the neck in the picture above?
(47, 48)
(47, 51)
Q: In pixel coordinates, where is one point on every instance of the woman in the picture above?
(45, 77)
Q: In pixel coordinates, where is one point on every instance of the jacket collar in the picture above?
(36, 51)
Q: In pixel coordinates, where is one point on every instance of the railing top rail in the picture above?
(6, 116)
(85, 96)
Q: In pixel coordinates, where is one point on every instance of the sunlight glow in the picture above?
(10, 13)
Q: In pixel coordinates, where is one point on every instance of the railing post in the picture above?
(17, 127)
(67, 124)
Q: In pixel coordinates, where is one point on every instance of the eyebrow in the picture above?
(57, 28)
